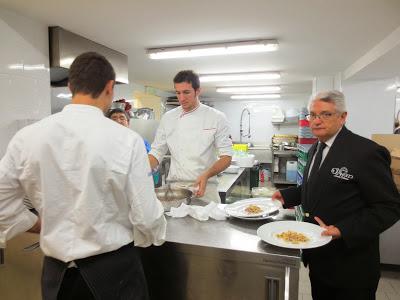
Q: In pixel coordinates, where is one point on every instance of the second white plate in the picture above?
(268, 233)
(238, 208)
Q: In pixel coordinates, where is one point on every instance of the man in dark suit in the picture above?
(347, 189)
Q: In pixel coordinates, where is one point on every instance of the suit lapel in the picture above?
(319, 183)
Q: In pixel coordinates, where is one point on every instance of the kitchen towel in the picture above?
(201, 213)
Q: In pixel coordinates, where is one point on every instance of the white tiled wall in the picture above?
(260, 117)
(24, 74)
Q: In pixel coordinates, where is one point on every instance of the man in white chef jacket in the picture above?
(90, 180)
(197, 137)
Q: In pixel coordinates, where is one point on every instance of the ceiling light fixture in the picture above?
(239, 76)
(264, 96)
(249, 89)
(225, 48)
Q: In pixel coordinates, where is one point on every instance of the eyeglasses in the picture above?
(321, 116)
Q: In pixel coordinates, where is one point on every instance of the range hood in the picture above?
(65, 46)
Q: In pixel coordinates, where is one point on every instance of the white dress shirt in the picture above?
(90, 180)
(195, 140)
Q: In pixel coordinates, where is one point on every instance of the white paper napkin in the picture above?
(201, 213)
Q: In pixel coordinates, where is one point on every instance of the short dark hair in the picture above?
(117, 111)
(188, 76)
(89, 74)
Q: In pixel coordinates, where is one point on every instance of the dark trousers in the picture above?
(322, 291)
(116, 275)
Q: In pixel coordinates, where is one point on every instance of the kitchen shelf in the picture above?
(285, 123)
(283, 156)
(284, 152)
(281, 179)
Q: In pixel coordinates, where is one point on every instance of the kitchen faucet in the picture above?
(248, 135)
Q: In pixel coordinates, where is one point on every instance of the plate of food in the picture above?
(293, 234)
(253, 208)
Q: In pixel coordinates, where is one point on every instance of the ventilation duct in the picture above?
(65, 46)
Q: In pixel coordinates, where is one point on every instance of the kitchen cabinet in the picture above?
(220, 260)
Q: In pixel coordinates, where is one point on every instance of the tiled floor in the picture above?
(388, 289)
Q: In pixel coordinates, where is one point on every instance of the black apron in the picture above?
(113, 275)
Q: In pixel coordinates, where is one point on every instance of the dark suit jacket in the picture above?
(354, 191)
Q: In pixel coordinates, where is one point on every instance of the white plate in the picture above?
(268, 232)
(267, 206)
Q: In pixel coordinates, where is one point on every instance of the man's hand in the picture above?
(201, 183)
(278, 196)
(36, 227)
(329, 230)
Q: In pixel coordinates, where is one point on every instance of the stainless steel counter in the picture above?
(220, 260)
(227, 181)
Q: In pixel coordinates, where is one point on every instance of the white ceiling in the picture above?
(317, 37)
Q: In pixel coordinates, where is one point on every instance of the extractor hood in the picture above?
(65, 46)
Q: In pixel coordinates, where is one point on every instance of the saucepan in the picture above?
(173, 196)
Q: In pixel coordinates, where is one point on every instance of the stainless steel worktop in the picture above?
(227, 180)
(232, 234)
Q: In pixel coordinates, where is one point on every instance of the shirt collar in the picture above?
(329, 142)
(83, 108)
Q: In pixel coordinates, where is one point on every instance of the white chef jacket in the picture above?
(89, 178)
(194, 139)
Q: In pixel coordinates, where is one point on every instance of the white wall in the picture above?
(24, 74)
(260, 117)
(371, 106)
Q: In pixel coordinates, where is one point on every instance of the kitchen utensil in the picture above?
(32, 247)
(173, 196)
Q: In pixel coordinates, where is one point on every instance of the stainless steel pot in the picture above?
(173, 196)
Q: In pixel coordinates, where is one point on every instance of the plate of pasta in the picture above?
(293, 234)
(253, 208)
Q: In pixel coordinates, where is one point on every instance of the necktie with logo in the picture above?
(317, 160)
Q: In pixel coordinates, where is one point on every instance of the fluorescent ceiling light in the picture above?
(226, 48)
(239, 76)
(264, 96)
(64, 96)
(249, 89)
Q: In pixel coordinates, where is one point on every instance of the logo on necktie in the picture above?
(342, 173)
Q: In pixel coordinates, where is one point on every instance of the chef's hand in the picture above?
(278, 196)
(36, 227)
(201, 183)
(329, 230)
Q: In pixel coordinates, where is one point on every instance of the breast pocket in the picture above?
(207, 136)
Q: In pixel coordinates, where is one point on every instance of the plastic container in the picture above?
(291, 171)
(245, 161)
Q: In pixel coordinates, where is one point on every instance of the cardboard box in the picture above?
(395, 153)
(392, 143)
(396, 179)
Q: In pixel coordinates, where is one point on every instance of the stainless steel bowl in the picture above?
(173, 197)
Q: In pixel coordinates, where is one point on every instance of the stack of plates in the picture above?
(266, 206)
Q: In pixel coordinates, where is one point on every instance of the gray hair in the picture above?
(332, 96)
